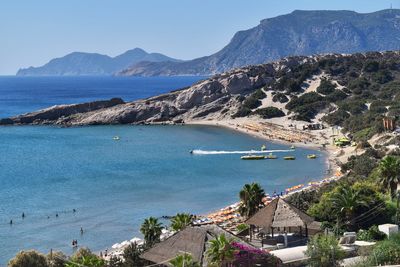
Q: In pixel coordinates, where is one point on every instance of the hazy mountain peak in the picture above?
(301, 32)
(82, 63)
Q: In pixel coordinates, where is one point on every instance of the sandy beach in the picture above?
(278, 130)
(290, 132)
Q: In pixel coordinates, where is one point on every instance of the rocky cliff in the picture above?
(354, 91)
(218, 97)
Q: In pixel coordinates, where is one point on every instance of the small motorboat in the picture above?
(253, 157)
(263, 147)
(271, 156)
(312, 156)
(289, 158)
(292, 147)
(116, 138)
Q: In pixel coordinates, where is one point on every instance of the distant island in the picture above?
(79, 63)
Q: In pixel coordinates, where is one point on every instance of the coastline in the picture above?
(228, 215)
(315, 140)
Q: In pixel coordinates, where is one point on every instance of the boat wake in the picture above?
(219, 152)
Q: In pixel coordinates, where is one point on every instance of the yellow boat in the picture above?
(271, 156)
(253, 157)
(312, 156)
(289, 158)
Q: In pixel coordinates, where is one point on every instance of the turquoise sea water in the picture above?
(114, 185)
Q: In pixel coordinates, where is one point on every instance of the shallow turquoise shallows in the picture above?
(113, 185)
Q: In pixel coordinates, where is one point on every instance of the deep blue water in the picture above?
(24, 94)
(114, 185)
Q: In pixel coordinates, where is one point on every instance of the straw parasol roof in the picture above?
(192, 240)
(279, 213)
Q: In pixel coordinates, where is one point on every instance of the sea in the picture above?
(63, 179)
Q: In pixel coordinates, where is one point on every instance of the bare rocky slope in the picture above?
(297, 33)
(353, 91)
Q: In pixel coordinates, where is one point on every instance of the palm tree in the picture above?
(345, 201)
(251, 199)
(220, 251)
(184, 260)
(180, 221)
(151, 229)
(132, 254)
(389, 168)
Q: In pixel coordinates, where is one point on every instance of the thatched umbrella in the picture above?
(192, 240)
(280, 214)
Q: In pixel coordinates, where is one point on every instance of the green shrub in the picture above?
(364, 134)
(307, 98)
(305, 113)
(357, 86)
(86, 258)
(324, 251)
(242, 112)
(251, 102)
(386, 252)
(382, 76)
(269, 112)
(280, 97)
(259, 94)
(353, 106)
(335, 96)
(132, 255)
(56, 259)
(241, 227)
(337, 117)
(372, 234)
(326, 87)
(371, 66)
(367, 195)
(28, 259)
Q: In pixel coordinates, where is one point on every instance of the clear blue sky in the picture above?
(34, 31)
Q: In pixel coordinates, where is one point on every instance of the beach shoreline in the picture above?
(318, 143)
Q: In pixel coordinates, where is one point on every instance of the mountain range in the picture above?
(297, 33)
(79, 63)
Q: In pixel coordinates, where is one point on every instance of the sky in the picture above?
(33, 32)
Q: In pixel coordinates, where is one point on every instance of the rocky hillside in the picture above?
(298, 33)
(353, 91)
(79, 63)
